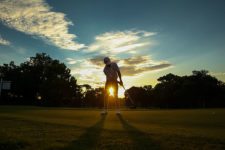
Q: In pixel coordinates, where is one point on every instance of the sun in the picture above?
(120, 92)
(111, 91)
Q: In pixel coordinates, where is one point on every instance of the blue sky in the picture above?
(146, 38)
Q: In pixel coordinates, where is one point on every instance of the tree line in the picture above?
(44, 81)
(199, 90)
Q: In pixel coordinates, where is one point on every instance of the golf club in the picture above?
(129, 97)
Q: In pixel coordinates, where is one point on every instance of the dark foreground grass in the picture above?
(33, 128)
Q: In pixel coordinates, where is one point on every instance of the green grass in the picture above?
(32, 128)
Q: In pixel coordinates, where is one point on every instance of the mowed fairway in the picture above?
(23, 127)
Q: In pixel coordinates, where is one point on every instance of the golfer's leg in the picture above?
(117, 99)
(116, 106)
(107, 94)
(105, 99)
(107, 106)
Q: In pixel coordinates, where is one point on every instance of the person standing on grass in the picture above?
(112, 72)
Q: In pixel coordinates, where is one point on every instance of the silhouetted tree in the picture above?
(42, 80)
(197, 90)
(93, 97)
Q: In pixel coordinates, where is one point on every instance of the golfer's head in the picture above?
(107, 61)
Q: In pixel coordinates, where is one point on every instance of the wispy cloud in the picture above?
(135, 60)
(4, 41)
(35, 17)
(140, 64)
(88, 73)
(121, 41)
(217, 73)
(132, 70)
(97, 61)
(71, 61)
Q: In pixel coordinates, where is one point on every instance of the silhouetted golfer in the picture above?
(112, 72)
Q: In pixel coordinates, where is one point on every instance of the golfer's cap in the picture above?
(107, 60)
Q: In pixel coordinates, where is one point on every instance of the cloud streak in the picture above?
(141, 64)
(217, 73)
(97, 61)
(121, 41)
(88, 73)
(3, 41)
(35, 17)
(71, 61)
(132, 70)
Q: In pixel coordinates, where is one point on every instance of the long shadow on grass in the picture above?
(89, 139)
(140, 139)
(12, 144)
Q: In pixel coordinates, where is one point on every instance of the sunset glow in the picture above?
(111, 91)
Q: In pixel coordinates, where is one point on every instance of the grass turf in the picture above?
(24, 127)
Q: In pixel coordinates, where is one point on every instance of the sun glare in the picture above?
(120, 92)
(111, 91)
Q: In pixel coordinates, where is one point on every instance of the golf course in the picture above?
(28, 127)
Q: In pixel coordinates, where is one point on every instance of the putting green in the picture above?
(24, 127)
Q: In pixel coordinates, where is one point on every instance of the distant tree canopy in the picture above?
(197, 90)
(45, 81)
(40, 80)
(92, 97)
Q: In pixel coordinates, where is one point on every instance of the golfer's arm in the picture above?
(119, 74)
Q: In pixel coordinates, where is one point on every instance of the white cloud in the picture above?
(71, 61)
(217, 73)
(3, 41)
(35, 17)
(88, 73)
(137, 65)
(121, 41)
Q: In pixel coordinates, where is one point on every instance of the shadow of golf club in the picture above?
(89, 139)
(141, 140)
